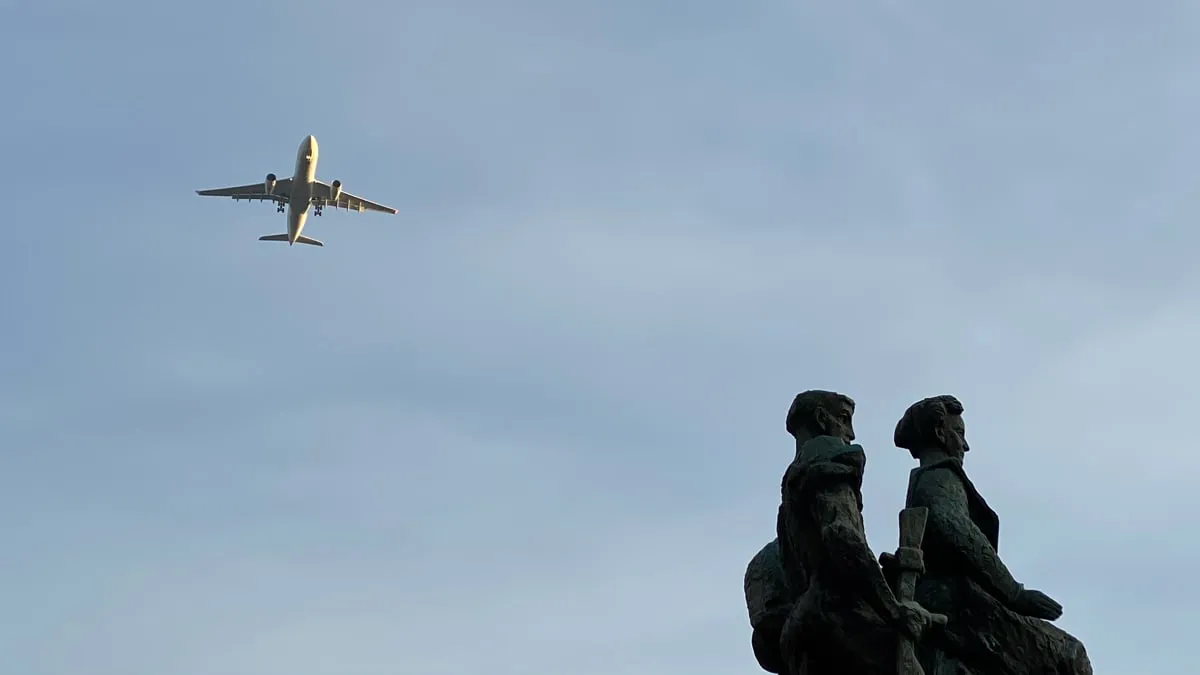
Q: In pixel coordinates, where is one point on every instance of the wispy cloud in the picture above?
(535, 423)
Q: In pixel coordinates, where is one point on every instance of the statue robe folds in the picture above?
(835, 627)
(965, 580)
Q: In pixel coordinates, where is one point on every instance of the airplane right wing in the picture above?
(324, 192)
(253, 191)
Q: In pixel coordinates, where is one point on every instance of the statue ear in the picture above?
(823, 420)
(939, 433)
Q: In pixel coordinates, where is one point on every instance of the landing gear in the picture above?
(281, 208)
(317, 209)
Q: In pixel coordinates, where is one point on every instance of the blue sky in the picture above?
(534, 423)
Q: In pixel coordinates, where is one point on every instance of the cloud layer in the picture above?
(534, 424)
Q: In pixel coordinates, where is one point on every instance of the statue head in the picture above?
(933, 424)
(821, 413)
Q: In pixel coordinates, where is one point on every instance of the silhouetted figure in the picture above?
(995, 626)
(846, 619)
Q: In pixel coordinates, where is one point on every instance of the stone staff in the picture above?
(909, 563)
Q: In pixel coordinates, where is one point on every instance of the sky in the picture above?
(534, 424)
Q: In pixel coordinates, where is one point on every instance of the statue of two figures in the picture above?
(944, 603)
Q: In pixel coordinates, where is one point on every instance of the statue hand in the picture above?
(915, 619)
(1037, 605)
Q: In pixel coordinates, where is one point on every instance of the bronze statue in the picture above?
(943, 604)
(995, 626)
(845, 619)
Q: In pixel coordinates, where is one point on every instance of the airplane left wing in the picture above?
(324, 192)
(253, 191)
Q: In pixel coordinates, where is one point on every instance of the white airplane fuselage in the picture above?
(302, 188)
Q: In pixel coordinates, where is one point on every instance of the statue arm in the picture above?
(942, 492)
(836, 512)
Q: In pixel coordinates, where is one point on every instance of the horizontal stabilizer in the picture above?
(283, 237)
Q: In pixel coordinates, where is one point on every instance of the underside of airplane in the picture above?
(297, 194)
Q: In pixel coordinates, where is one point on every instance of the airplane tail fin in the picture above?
(283, 237)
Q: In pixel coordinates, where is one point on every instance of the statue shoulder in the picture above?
(830, 449)
(824, 461)
(937, 482)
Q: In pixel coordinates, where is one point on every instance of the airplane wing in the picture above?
(324, 192)
(253, 191)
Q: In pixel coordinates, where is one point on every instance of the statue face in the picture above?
(953, 436)
(838, 421)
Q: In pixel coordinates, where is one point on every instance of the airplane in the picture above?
(294, 195)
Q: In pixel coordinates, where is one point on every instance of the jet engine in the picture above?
(335, 191)
(269, 184)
